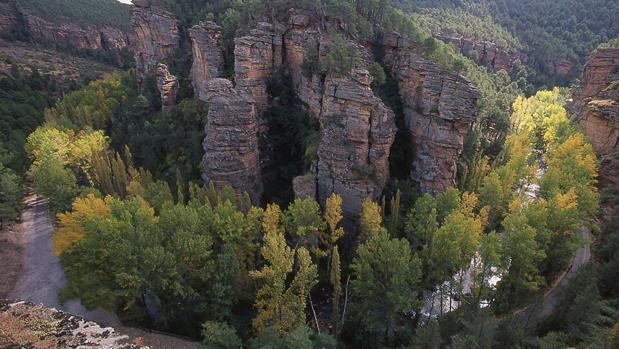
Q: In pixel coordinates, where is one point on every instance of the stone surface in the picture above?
(256, 56)
(439, 108)
(597, 107)
(65, 35)
(231, 143)
(157, 36)
(357, 131)
(304, 186)
(167, 85)
(25, 325)
(208, 59)
(486, 53)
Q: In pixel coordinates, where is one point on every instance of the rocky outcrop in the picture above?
(357, 132)
(231, 154)
(596, 101)
(167, 85)
(65, 35)
(256, 56)
(357, 128)
(25, 325)
(439, 108)
(485, 53)
(157, 36)
(208, 59)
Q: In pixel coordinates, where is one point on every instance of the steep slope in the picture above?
(597, 104)
(58, 25)
(357, 128)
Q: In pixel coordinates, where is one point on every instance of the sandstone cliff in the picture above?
(65, 35)
(357, 129)
(231, 154)
(439, 108)
(357, 132)
(597, 103)
(484, 52)
(207, 56)
(157, 36)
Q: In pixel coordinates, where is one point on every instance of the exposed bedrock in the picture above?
(596, 102)
(357, 133)
(439, 109)
(62, 35)
(231, 154)
(157, 36)
(208, 59)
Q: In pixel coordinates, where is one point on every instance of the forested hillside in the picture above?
(550, 31)
(103, 12)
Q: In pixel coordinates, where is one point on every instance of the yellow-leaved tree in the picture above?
(71, 224)
(281, 304)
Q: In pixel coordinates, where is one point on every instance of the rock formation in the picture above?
(168, 86)
(208, 59)
(439, 108)
(157, 36)
(25, 325)
(66, 35)
(596, 101)
(357, 132)
(256, 56)
(231, 154)
(357, 128)
(486, 53)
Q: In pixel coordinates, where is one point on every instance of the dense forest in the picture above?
(97, 12)
(545, 30)
(141, 236)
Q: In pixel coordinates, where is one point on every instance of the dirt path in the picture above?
(547, 304)
(42, 276)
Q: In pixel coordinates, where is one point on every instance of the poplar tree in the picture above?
(280, 304)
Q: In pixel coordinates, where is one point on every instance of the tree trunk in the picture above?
(314, 312)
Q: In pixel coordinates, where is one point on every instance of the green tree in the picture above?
(281, 304)
(57, 183)
(220, 335)
(340, 58)
(386, 278)
(10, 195)
(303, 222)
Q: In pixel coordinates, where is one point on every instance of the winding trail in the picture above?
(43, 277)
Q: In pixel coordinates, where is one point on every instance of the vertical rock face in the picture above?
(231, 144)
(208, 59)
(157, 37)
(168, 86)
(256, 56)
(439, 108)
(597, 103)
(357, 133)
(486, 53)
(65, 35)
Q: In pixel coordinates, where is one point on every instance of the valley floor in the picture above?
(34, 274)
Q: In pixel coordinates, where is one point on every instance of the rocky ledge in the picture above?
(26, 325)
